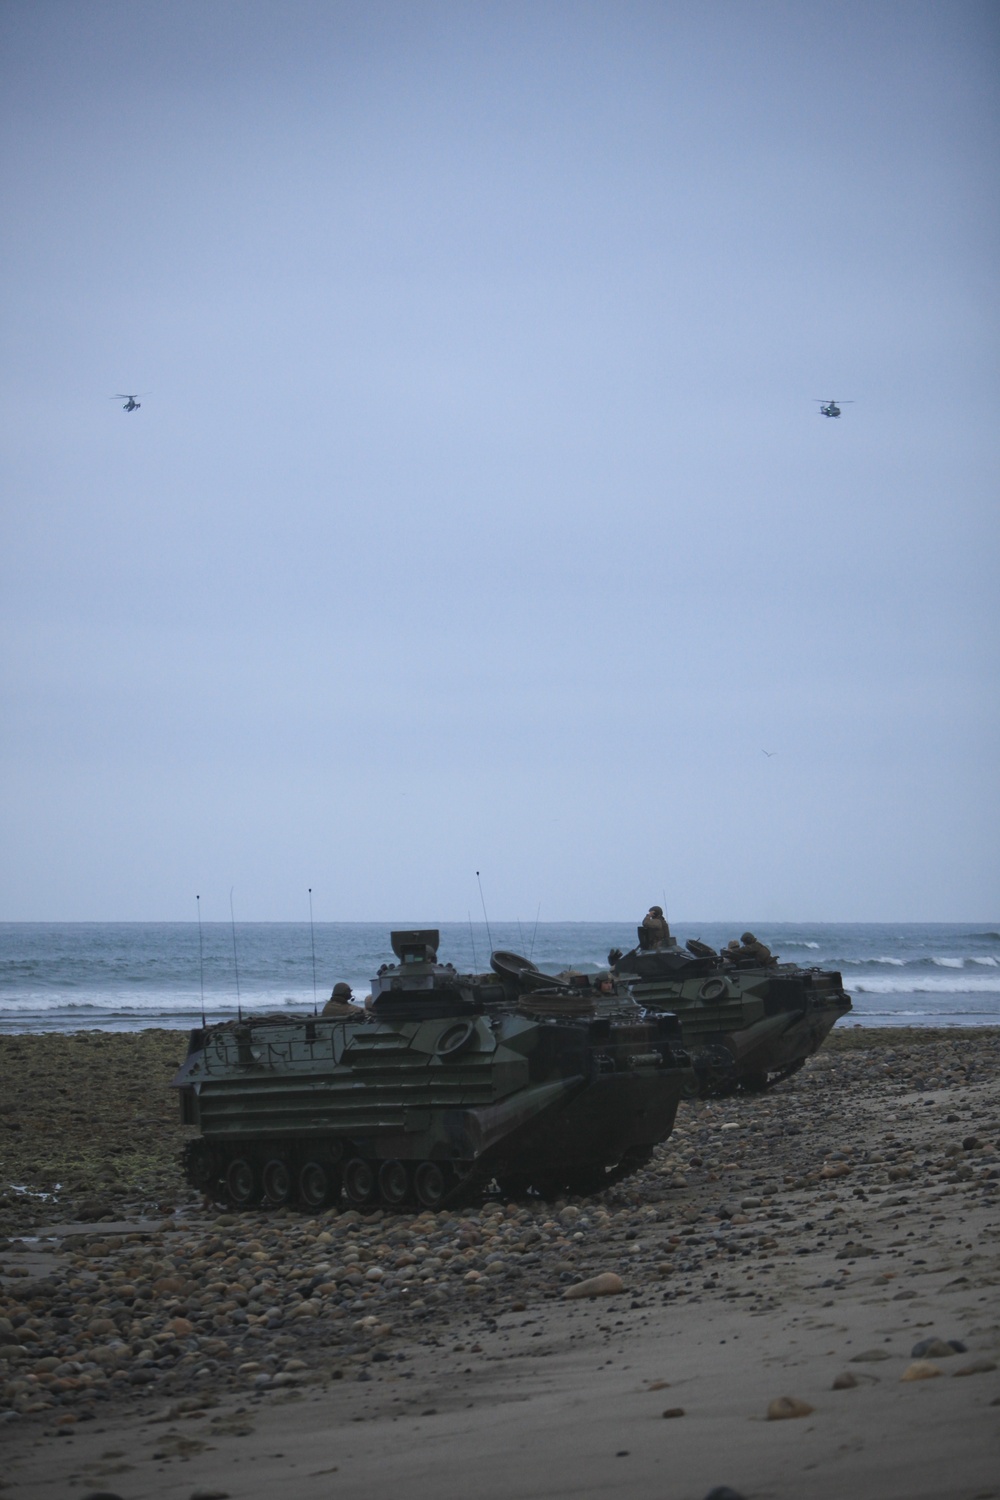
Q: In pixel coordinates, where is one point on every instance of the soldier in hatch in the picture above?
(758, 953)
(655, 931)
(339, 1004)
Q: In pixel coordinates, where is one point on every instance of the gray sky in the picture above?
(479, 514)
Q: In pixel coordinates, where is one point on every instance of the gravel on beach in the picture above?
(118, 1284)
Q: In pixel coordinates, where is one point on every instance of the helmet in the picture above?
(748, 937)
(656, 911)
(341, 991)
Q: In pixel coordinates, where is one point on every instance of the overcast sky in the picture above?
(479, 514)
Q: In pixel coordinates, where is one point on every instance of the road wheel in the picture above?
(319, 1186)
(393, 1183)
(430, 1184)
(360, 1186)
(242, 1183)
(277, 1182)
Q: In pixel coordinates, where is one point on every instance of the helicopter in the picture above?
(131, 404)
(829, 407)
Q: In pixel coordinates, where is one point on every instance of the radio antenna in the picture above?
(312, 939)
(236, 962)
(533, 935)
(485, 917)
(472, 940)
(201, 961)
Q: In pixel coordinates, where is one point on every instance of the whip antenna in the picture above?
(472, 940)
(485, 917)
(312, 939)
(201, 961)
(236, 964)
(533, 935)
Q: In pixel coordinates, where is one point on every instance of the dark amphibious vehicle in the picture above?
(749, 1021)
(444, 1083)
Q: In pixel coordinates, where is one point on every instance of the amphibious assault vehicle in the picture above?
(445, 1082)
(748, 1024)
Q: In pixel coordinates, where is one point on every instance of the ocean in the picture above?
(123, 976)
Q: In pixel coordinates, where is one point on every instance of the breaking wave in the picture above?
(986, 961)
(159, 1002)
(923, 984)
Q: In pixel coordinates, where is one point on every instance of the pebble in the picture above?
(845, 1381)
(870, 1356)
(977, 1367)
(936, 1349)
(605, 1285)
(782, 1408)
(921, 1369)
(674, 1411)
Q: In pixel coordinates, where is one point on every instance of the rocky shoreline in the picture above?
(877, 1165)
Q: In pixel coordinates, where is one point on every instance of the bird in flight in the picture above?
(769, 753)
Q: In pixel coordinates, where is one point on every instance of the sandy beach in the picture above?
(833, 1242)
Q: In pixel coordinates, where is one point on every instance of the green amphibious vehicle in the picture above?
(444, 1083)
(748, 1020)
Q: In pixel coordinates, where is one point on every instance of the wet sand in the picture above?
(151, 1347)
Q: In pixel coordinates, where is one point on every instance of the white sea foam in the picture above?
(151, 1001)
(922, 984)
(913, 963)
(900, 1016)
